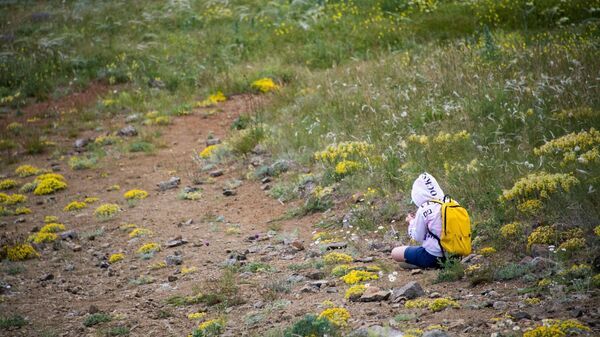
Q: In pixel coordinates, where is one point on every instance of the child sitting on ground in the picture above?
(428, 220)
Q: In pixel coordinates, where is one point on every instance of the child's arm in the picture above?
(419, 227)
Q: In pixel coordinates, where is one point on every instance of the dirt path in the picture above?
(56, 292)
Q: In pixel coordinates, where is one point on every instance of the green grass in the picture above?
(14, 321)
(95, 319)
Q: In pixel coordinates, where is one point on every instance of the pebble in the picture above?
(500, 305)
(215, 173)
(173, 260)
(128, 131)
(229, 193)
(171, 183)
(409, 291)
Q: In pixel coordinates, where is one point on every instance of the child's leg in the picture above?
(398, 253)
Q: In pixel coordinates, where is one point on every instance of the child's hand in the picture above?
(410, 217)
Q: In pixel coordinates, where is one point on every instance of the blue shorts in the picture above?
(421, 258)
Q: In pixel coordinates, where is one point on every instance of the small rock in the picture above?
(70, 234)
(519, 315)
(472, 259)
(500, 305)
(75, 248)
(229, 193)
(416, 271)
(103, 265)
(173, 260)
(526, 260)
(156, 83)
(19, 220)
(435, 333)
(259, 305)
(309, 289)
(297, 245)
(128, 131)
(265, 187)
(69, 267)
(541, 264)
(173, 182)
(80, 144)
(380, 247)
(315, 275)
(93, 309)
(172, 278)
(376, 331)
(185, 223)
(213, 141)
(368, 259)
(435, 294)
(178, 241)
(295, 278)
(265, 180)
(132, 118)
(331, 290)
(409, 291)
(215, 173)
(335, 245)
(374, 294)
(46, 277)
(538, 250)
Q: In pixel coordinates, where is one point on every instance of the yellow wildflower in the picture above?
(344, 151)
(107, 210)
(53, 228)
(532, 301)
(337, 258)
(45, 176)
(558, 328)
(208, 151)
(90, 200)
(42, 237)
(346, 167)
(212, 100)
(26, 171)
(20, 252)
(149, 248)
(487, 251)
(539, 184)
(158, 265)
(337, 316)
(114, 258)
(135, 194)
(264, 85)
(321, 192)
(137, 232)
(50, 219)
(49, 186)
(530, 207)
(572, 244)
(196, 315)
(582, 146)
(213, 327)
(7, 184)
(190, 270)
(355, 291)
(542, 235)
(544, 283)
(74, 206)
(357, 276)
(511, 230)
(22, 210)
(12, 199)
(597, 230)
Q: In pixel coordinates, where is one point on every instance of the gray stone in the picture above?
(376, 331)
(335, 245)
(70, 234)
(374, 294)
(315, 275)
(541, 264)
(519, 315)
(174, 260)
(128, 131)
(472, 259)
(81, 143)
(368, 259)
(215, 173)
(436, 333)
(213, 141)
(132, 118)
(178, 241)
(539, 250)
(229, 193)
(309, 289)
(500, 305)
(409, 291)
(295, 278)
(173, 182)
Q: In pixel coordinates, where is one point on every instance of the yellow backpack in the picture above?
(456, 228)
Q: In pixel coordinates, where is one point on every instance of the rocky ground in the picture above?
(277, 277)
